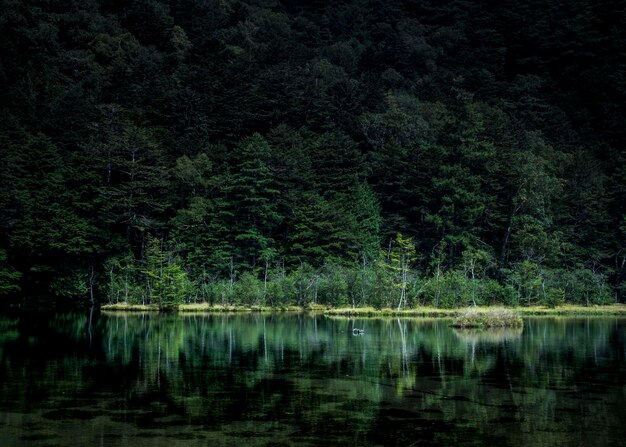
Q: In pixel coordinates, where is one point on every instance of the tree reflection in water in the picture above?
(164, 379)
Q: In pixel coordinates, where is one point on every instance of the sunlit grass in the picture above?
(124, 306)
(487, 318)
(368, 311)
(572, 309)
(566, 310)
(371, 311)
(207, 307)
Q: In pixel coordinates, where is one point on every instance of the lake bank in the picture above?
(565, 310)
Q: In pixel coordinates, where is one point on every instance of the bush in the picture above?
(332, 287)
(383, 291)
(361, 285)
(249, 291)
(554, 297)
(583, 286)
(219, 292)
(305, 284)
(491, 292)
(450, 290)
(281, 291)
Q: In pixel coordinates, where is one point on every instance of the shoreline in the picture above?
(564, 310)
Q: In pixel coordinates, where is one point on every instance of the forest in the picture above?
(388, 153)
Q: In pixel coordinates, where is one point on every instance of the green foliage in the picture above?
(362, 283)
(45, 219)
(491, 293)
(9, 277)
(332, 286)
(528, 280)
(450, 290)
(249, 291)
(364, 228)
(306, 285)
(124, 280)
(253, 194)
(400, 255)
(583, 286)
(383, 291)
(286, 138)
(553, 297)
(281, 290)
(167, 282)
(69, 283)
(202, 227)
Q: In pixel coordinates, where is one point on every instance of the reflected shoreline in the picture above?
(297, 379)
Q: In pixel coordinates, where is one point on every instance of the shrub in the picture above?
(332, 287)
(450, 290)
(553, 297)
(583, 286)
(280, 291)
(491, 292)
(249, 290)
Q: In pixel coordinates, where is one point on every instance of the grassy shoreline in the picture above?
(564, 310)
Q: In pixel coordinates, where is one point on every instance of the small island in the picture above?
(489, 318)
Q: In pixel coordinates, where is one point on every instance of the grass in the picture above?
(423, 311)
(427, 311)
(126, 307)
(196, 307)
(488, 318)
(573, 310)
(206, 307)
(372, 312)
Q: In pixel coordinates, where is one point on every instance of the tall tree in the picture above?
(253, 197)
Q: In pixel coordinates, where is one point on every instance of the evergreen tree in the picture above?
(253, 197)
(202, 228)
(264, 136)
(166, 281)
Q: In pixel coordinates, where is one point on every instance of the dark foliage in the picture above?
(257, 137)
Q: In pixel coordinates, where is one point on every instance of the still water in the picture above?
(282, 380)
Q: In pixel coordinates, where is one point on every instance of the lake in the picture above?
(285, 379)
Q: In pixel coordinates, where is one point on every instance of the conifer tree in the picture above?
(166, 280)
(253, 197)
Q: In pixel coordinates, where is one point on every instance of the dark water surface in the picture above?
(279, 380)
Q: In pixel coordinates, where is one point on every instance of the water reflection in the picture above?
(474, 337)
(163, 379)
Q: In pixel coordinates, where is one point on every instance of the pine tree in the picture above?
(202, 229)
(253, 196)
(364, 223)
(165, 279)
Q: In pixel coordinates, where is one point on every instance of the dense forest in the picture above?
(364, 152)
